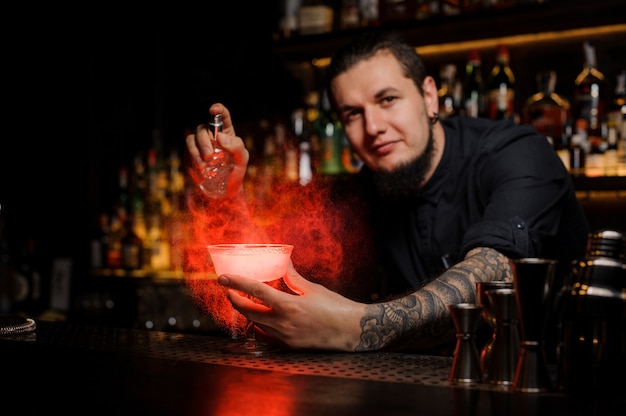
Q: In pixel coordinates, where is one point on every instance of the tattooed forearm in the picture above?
(399, 324)
(488, 264)
(421, 319)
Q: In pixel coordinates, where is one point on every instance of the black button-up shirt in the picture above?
(498, 185)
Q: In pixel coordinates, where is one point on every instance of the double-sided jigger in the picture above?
(506, 348)
(532, 278)
(466, 361)
(489, 317)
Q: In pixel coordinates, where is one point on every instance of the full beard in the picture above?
(403, 181)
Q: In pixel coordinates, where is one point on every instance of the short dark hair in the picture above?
(366, 45)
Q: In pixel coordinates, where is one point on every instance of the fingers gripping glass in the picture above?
(262, 262)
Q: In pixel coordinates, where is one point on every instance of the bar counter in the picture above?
(69, 368)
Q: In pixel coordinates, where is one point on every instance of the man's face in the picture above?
(383, 114)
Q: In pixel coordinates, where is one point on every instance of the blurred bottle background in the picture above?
(121, 95)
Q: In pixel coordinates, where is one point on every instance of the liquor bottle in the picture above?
(617, 119)
(590, 94)
(287, 153)
(275, 155)
(500, 88)
(131, 248)
(152, 198)
(448, 103)
(312, 127)
(267, 170)
(304, 163)
(546, 111)
(176, 219)
(219, 165)
(99, 245)
(350, 14)
(474, 86)
(176, 179)
(425, 9)
(289, 20)
(156, 252)
(305, 171)
(370, 12)
(616, 112)
(122, 205)
(566, 139)
(114, 249)
(611, 155)
(577, 155)
(396, 10)
(330, 134)
(579, 149)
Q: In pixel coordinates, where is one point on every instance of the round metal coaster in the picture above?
(17, 327)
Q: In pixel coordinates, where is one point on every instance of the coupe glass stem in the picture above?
(250, 334)
(250, 344)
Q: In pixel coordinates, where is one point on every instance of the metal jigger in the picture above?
(506, 348)
(490, 318)
(466, 361)
(532, 278)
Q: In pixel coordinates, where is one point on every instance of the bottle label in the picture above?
(473, 104)
(131, 256)
(577, 160)
(330, 163)
(500, 103)
(549, 121)
(589, 105)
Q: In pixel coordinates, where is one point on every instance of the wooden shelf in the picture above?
(530, 19)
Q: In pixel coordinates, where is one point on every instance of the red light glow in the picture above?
(322, 229)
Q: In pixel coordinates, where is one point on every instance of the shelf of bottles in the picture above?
(583, 118)
(138, 237)
(301, 18)
(586, 125)
(138, 272)
(309, 30)
(587, 131)
(134, 237)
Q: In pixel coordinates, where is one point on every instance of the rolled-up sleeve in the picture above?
(525, 189)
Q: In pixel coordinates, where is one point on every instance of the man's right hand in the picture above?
(200, 148)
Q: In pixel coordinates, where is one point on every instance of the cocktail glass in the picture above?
(262, 262)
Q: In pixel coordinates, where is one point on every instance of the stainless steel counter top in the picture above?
(97, 370)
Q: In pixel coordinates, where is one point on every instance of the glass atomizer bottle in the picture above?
(218, 166)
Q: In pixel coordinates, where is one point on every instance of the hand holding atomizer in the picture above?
(218, 157)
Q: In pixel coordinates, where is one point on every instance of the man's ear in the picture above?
(430, 95)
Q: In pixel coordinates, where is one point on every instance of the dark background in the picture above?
(84, 89)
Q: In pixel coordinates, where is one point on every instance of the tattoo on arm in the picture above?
(421, 319)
